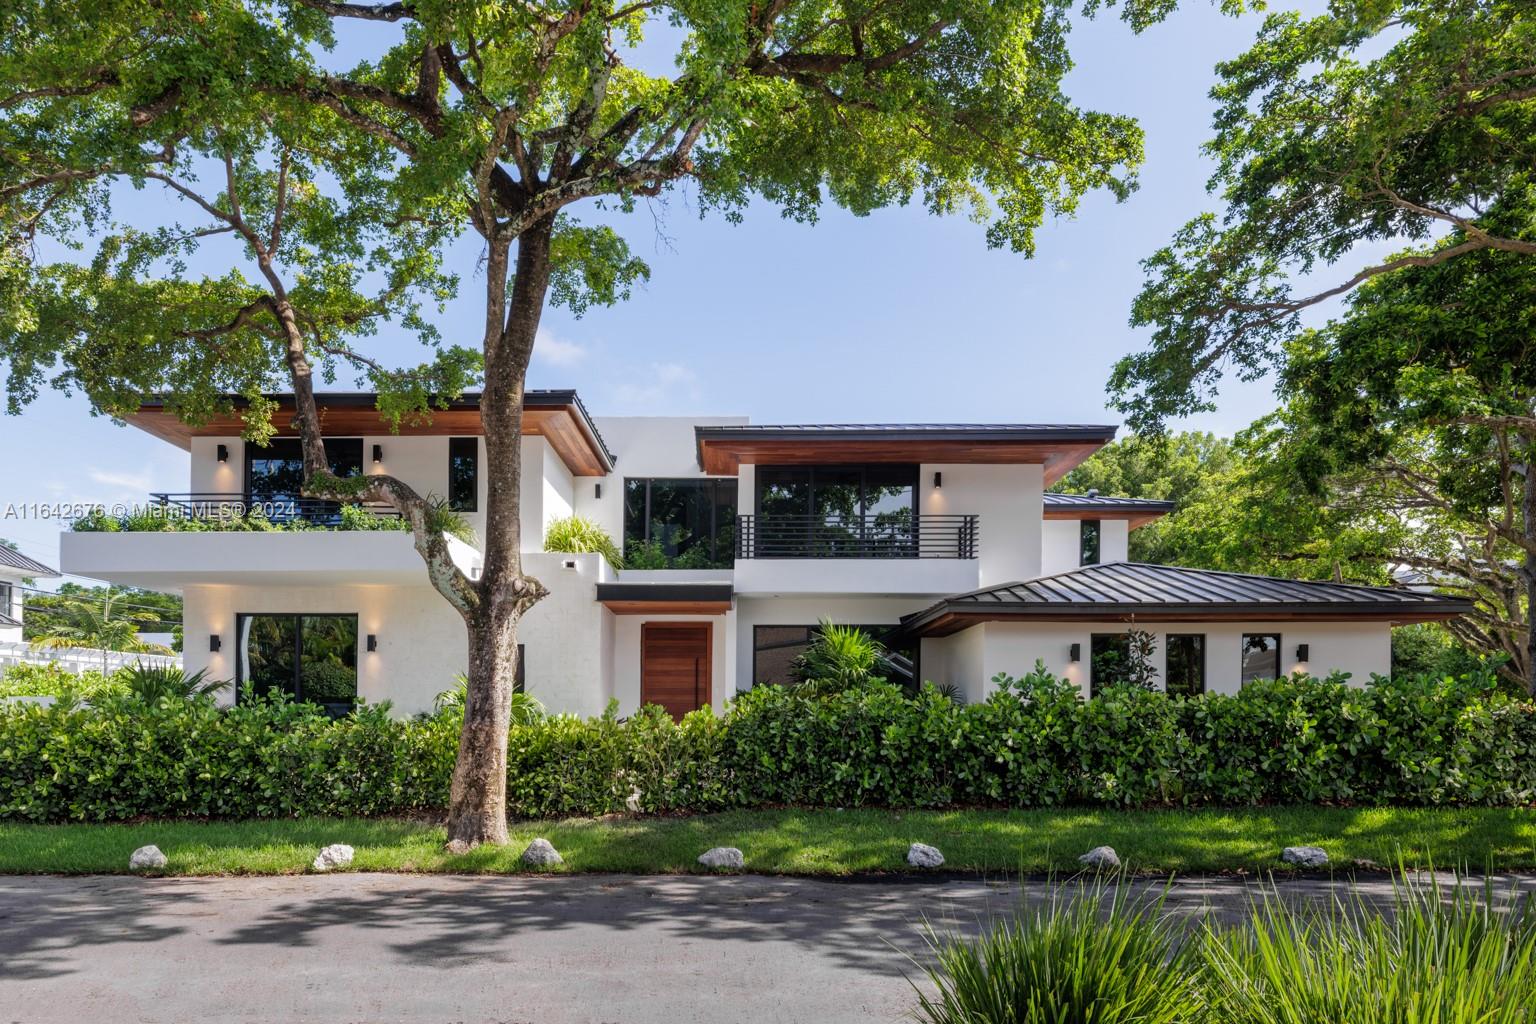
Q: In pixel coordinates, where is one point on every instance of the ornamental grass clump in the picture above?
(1437, 955)
(1094, 953)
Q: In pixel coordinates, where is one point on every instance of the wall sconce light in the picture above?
(214, 643)
(1303, 652)
(1076, 652)
(223, 453)
(373, 642)
(938, 480)
(378, 453)
(597, 490)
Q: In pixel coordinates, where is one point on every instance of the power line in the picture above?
(81, 599)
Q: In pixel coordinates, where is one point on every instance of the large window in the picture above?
(775, 648)
(464, 473)
(274, 474)
(1261, 656)
(824, 511)
(308, 657)
(1109, 661)
(1184, 672)
(1088, 542)
(679, 524)
(5, 599)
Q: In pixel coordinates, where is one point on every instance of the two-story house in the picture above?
(738, 539)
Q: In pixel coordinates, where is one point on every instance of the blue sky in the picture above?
(899, 316)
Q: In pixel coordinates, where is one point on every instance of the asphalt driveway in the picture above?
(436, 948)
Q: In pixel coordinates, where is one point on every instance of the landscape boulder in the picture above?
(1101, 858)
(722, 857)
(541, 854)
(1309, 857)
(921, 855)
(337, 855)
(146, 858)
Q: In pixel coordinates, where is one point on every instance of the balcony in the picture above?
(877, 535)
(277, 509)
(869, 555)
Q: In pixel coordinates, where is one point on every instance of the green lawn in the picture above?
(813, 842)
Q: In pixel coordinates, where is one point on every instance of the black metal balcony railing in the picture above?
(281, 508)
(867, 536)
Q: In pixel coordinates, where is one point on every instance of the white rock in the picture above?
(337, 855)
(541, 854)
(1309, 857)
(722, 857)
(146, 857)
(1100, 857)
(921, 855)
(632, 802)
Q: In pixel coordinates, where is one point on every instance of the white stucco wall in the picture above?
(422, 643)
(1359, 648)
(1008, 500)
(1060, 543)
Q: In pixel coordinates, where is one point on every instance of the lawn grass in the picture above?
(814, 842)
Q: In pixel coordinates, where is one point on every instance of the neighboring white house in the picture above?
(739, 539)
(15, 569)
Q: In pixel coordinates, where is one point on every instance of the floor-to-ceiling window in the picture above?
(274, 475)
(687, 523)
(829, 511)
(308, 657)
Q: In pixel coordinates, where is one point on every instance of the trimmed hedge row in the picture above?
(1033, 743)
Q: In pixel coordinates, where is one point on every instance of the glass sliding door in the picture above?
(309, 658)
(859, 511)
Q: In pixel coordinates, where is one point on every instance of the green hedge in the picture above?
(1033, 743)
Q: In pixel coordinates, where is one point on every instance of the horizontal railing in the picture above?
(276, 508)
(879, 535)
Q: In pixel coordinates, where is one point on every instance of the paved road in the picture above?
(589, 948)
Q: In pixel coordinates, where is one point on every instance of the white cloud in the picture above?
(660, 384)
(557, 351)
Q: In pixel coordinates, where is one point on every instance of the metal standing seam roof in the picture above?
(1099, 501)
(30, 567)
(1118, 588)
(6, 620)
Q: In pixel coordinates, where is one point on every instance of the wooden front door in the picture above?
(674, 665)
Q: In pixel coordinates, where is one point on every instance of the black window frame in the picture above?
(1094, 685)
(242, 665)
(520, 677)
(876, 630)
(273, 500)
(1204, 655)
(7, 597)
(460, 447)
(863, 468)
(1085, 529)
(1242, 659)
(722, 554)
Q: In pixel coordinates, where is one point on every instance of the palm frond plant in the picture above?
(97, 627)
(578, 535)
(151, 684)
(1092, 953)
(526, 708)
(838, 658)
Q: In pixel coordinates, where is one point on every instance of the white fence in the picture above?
(79, 659)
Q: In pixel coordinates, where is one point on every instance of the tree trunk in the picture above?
(1528, 513)
(477, 811)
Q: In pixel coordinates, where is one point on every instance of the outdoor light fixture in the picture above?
(938, 480)
(223, 453)
(378, 453)
(597, 490)
(1077, 652)
(214, 643)
(373, 641)
(1303, 652)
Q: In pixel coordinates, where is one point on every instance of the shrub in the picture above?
(578, 535)
(1034, 742)
(154, 683)
(1089, 955)
(837, 658)
(51, 679)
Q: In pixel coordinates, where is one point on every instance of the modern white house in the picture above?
(15, 570)
(738, 538)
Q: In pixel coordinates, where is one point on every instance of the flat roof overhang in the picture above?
(557, 416)
(948, 618)
(665, 598)
(723, 449)
(1134, 515)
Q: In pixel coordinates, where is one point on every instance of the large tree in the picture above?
(501, 116)
(1338, 137)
